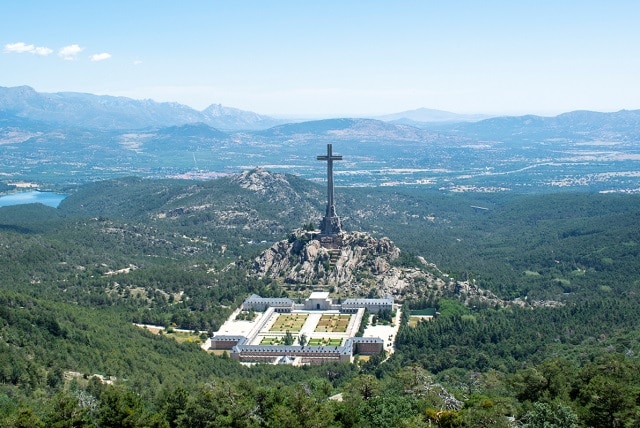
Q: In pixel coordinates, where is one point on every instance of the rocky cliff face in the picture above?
(361, 266)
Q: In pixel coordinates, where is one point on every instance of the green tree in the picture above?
(67, 412)
(608, 393)
(444, 418)
(484, 412)
(288, 338)
(555, 415)
(218, 405)
(26, 418)
(366, 385)
(529, 384)
(302, 340)
(121, 408)
(174, 405)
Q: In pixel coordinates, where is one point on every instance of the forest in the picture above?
(67, 314)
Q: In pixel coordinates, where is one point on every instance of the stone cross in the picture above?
(330, 223)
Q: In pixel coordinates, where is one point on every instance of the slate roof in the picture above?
(269, 301)
(285, 349)
(364, 302)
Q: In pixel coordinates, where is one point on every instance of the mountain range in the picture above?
(83, 110)
(108, 112)
(103, 111)
(64, 138)
(419, 117)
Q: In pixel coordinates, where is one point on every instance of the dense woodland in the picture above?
(67, 311)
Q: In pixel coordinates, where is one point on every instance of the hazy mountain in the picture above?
(108, 112)
(579, 125)
(347, 129)
(192, 130)
(92, 111)
(617, 122)
(424, 115)
(73, 138)
(228, 118)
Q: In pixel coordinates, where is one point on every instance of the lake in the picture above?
(32, 197)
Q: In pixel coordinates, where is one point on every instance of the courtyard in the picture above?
(333, 323)
(289, 322)
(313, 332)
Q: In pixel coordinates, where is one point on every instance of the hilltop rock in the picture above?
(362, 266)
(261, 181)
(292, 196)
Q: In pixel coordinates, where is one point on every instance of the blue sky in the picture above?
(332, 58)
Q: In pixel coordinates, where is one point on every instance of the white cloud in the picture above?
(100, 57)
(42, 51)
(70, 52)
(137, 62)
(22, 47)
(19, 47)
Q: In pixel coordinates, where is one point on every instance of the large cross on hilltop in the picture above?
(330, 223)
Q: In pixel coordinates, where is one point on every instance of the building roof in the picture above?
(384, 301)
(269, 301)
(286, 360)
(288, 349)
(366, 340)
(227, 337)
(319, 295)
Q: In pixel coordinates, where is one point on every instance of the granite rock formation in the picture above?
(362, 266)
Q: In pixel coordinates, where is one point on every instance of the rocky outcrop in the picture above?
(261, 181)
(361, 266)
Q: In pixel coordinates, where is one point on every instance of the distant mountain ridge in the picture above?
(75, 138)
(579, 125)
(83, 110)
(107, 112)
(347, 129)
(426, 115)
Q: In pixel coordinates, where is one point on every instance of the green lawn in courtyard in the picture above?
(272, 341)
(324, 342)
(289, 322)
(336, 323)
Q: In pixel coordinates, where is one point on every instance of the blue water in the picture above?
(46, 198)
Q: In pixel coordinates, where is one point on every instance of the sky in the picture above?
(332, 58)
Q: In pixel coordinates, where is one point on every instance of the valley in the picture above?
(68, 281)
(436, 163)
(518, 237)
(575, 151)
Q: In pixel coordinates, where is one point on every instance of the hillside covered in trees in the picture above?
(178, 253)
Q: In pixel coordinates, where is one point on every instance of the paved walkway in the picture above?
(309, 326)
(387, 333)
(233, 327)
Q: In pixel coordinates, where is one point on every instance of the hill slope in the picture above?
(68, 296)
(361, 266)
